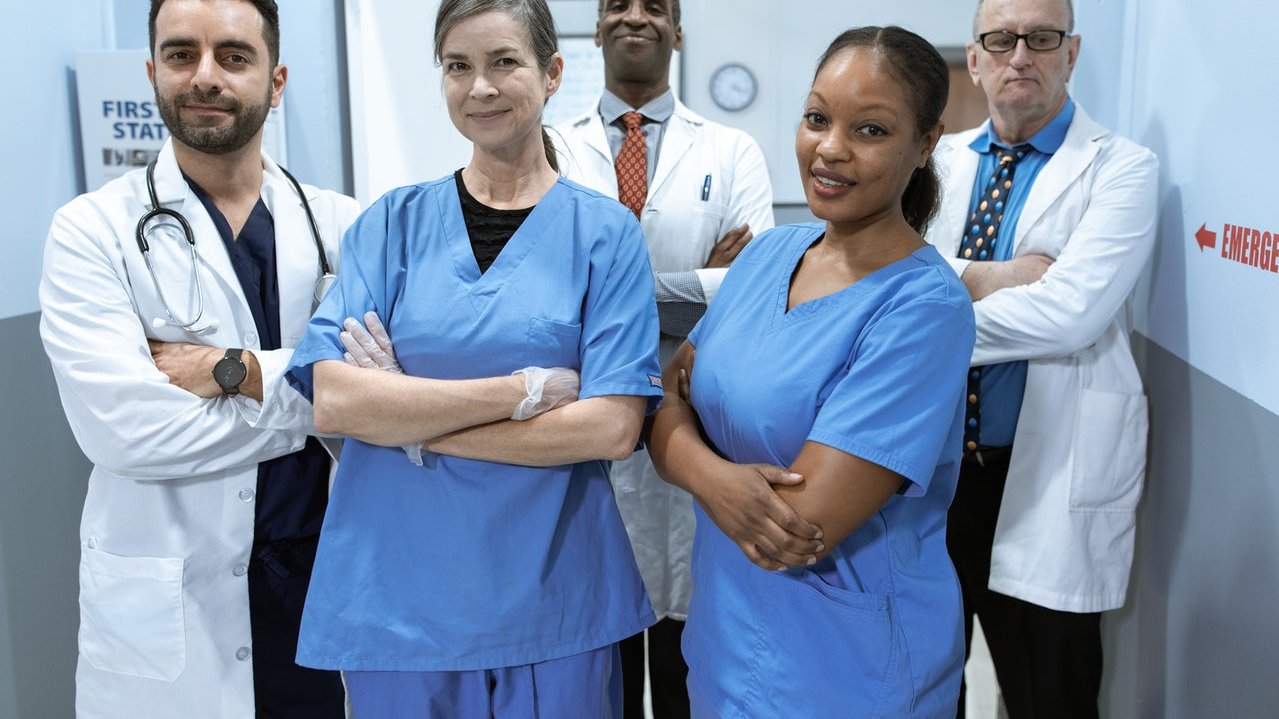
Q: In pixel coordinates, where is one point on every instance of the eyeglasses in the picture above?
(1038, 41)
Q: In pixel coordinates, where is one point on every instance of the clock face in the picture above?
(733, 87)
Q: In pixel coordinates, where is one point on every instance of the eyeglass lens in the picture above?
(1039, 40)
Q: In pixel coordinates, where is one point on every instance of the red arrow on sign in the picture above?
(1206, 237)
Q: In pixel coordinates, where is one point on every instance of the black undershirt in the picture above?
(489, 229)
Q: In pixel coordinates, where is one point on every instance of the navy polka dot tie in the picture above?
(980, 237)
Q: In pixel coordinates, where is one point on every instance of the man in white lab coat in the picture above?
(206, 496)
(700, 190)
(1050, 219)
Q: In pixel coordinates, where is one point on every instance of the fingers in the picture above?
(785, 546)
(734, 240)
(800, 535)
(779, 475)
(759, 558)
(360, 335)
(744, 505)
(356, 355)
(727, 248)
(379, 333)
(685, 387)
(364, 348)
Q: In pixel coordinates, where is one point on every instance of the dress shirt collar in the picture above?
(659, 109)
(1047, 141)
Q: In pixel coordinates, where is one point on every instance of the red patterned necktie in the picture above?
(632, 165)
(980, 235)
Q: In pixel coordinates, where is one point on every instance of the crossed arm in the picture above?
(472, 418)
(190, 366)
(777, 516)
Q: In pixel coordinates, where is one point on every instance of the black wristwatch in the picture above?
(229, 372)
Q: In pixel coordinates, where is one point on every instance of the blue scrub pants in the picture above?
(583, 686)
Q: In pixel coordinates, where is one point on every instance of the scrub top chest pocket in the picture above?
(552, 343)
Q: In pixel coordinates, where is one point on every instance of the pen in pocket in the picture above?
(706, 188)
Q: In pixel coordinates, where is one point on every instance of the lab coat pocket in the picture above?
(832, 649)
(712, 210)
(1109, 452)
(552, 343)
(707, 222)
(131, 614)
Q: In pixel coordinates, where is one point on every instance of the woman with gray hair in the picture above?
(489, 573)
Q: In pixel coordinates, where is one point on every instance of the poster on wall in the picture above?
(120, 126)
(582, 80)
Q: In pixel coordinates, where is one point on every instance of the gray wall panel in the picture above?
(1199, 635)
(45, 476)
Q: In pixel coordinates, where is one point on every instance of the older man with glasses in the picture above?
(1050, 219)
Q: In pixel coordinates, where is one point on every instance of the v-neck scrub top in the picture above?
(876, 370)
(463, 564)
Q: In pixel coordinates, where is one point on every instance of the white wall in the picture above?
(780, 42)
(401, 132)
(1197, 636)
(41, 162)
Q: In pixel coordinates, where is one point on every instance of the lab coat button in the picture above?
(251, 339)
(239, 570)
(246, 495)
(242, 653)
(91, 543)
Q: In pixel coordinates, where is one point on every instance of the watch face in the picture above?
(733, 87)
(229, 372)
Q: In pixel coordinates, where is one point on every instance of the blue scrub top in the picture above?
(462, 564)
(876, 370)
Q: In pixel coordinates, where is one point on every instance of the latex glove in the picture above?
(372, 349)
(547, 389)
(369, 348)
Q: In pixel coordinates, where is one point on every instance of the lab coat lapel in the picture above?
(1074, 156)
(962, 173)
(217, 274)
(593, 133)
(676, 141)
(599, 157)
(297, 263)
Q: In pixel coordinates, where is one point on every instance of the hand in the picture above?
(744, 506)
(188, 366)
(985, 278)
(685, 387)
(729, 246)
(370, 349)
(547, 389)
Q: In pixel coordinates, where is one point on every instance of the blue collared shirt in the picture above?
(657, 113)
(1002, 385)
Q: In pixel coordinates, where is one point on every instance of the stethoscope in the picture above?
(322, 285)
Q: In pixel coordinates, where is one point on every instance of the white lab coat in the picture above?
(1064, 538)
(680, 229)
(168, 521)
